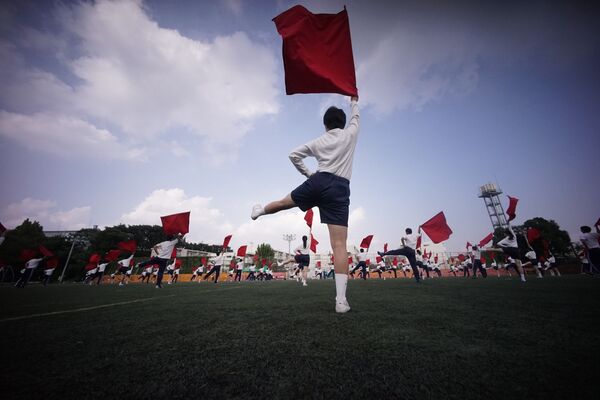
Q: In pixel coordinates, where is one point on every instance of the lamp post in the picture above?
(289, 238)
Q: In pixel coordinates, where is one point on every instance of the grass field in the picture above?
(444, 339)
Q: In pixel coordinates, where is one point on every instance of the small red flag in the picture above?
(317, 52)
(385, 248)
(533, 234)
(255, 258)
(313, 243)
(174, 253)
(95, 258)
(368, 262)
(226, 241)
(242, 251)
(366, 242)
(332, 259)
(468, 245)
(203, 260)
(177, 264)
(350, 261)
(511, 211)
(112, 255)
(419, 242)
(486, 240)
(395, 262)
(461, 257)
(264, 261)
(378, 259)
(90, 266)
(435, 259)
(45, 252)
(130, 246)
(436, 228)
(51, 263)
(318, 263)
(176, 223)
(308, 217)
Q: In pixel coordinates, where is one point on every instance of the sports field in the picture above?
(449, 338)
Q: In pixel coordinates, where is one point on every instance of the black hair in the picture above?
(334, 118)
(474, 247)
(585, 229)
(362, 250)
(304, 239)
(509, 233)
(408, 231)
(419, 252)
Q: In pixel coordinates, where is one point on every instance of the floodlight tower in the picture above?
(289, 238)
(490, 194)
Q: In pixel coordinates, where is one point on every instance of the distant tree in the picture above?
(265, 251)
(28, 235)
(559, 240)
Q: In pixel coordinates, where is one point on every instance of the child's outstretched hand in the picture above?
(354, 98)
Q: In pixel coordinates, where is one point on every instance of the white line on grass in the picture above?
(82, 309)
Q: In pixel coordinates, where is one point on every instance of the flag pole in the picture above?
(62, 275)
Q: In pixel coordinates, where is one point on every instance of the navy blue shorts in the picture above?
(329, 192)
(302, 259)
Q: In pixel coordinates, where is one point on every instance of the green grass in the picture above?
(443, 339)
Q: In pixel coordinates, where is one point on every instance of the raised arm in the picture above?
(353, 124)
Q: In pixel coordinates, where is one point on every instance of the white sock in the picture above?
(523, 278)
(341, 281)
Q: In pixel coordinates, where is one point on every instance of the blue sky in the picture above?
(124, 111)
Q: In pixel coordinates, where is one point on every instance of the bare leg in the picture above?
(279, 205)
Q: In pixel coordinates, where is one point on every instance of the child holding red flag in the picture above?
(407, 249)
(302, 257)
(163, 251)
(328, 188)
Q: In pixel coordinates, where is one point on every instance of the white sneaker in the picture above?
(120, 283)
(342, 307)
(304, 284)
(257, 211)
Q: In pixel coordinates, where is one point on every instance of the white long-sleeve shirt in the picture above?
(302, 250)
(33, 263)
(334, 150)
(164, 249)
(508, 242)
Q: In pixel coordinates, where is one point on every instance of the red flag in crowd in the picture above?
(95, 258)
(130, 246)
(395, 262)
(350, 261)
(313, 243)
(368, 262)
(511, 211)
(332, 259)
(255, 258)
(486, 240)
(263, 261)
(51, 263)
(112, 255)
(437, 229)
(27, 254)
(203, 260)
(176, 223)
(174, 253)
(419, 242)
(226, 241)
(178, 264)
(533, 234)
(378, 259)
(468, 245)
(242, 251)
(461, 257)
(366, 242)
(318, 263)
(90, 266)
(45, 252)
(385, 248)
(308, 217)
(317, 52)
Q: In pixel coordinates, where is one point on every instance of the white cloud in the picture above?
(146, 81)
(43, 212)
(235, 6)
(207, 224)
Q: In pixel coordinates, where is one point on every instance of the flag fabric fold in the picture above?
(112, 255)
(436, 228)
(176, 223)
(511, 211)
(533, 234)
(242, 251)
(486, 240)
(308, 217)
(313, 243)
(226, 241)
(130, 246)
(95, 258)
(317, 52)
(366, 242)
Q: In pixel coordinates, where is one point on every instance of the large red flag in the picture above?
(317, 52)
(437, 229)
(176, 223)
(511, 211)
(27, 254)
(313, 243)
(486, 240)
(533, 234)
(242, 251)
(366, 242)
(130, 246)
(45, 252)
(112, 255)
(308, 217)
(95, 258)
(226, 241)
